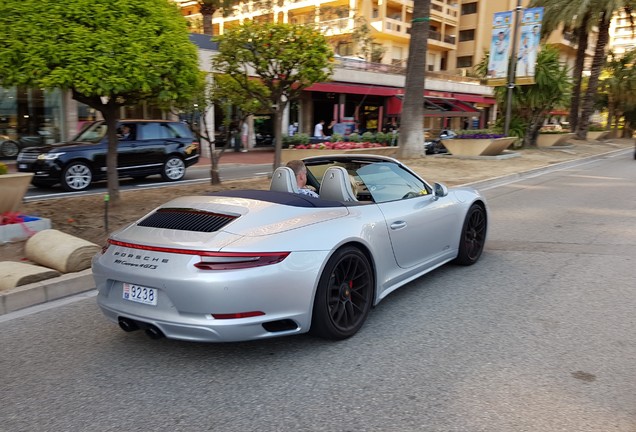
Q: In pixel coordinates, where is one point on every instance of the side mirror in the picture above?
(439, 191)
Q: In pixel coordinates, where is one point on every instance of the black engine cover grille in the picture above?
(186, 220)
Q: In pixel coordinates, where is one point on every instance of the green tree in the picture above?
(363, 40)
(285, 58)
(108, 53)
(531, 104)
(618, 86)
(580, 15)
(411, 138)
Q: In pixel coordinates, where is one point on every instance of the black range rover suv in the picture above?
(148, 147)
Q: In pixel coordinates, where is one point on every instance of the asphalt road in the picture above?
(539, 336)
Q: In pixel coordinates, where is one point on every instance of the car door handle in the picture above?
(398, 225)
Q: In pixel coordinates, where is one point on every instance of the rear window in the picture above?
(148, 131)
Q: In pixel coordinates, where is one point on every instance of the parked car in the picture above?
(252, 264)
(153, 147)
(10, 148)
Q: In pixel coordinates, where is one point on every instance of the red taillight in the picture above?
(238, 315)
(216, 260)
(233, 261)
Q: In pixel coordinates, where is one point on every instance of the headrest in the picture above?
(336, 185)
(284, 180)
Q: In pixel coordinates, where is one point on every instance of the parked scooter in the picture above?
(436, 146)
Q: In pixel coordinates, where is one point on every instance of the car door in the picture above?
(420, 224)
(420, 229)
(146, 150)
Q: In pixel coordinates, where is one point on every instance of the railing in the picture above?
(334, 27)
(399, 68)
(449, 39)
(398, 26)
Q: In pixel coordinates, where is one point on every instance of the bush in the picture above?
(4, 169)
(354, 137)
(336, 138)
(479, 134)
(367, 137)
(380, 138)
(596, 127)
(294, 140)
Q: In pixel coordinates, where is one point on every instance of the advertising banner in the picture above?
(499, 49)
(528, 48)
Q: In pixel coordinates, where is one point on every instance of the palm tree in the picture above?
(576, 18)
(411, 136)
(618, 83)
(531, 104)
(580, 15)
(207, 8)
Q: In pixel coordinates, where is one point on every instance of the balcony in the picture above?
(391, 27)
(335, 27)
(446, 39)
(446, 12)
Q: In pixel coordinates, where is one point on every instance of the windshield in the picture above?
(375, 182)
(93, 133)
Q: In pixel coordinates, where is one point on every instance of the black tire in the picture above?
(471, 243)
(77, 176)
(41, 184)
(173, 169)
(344, 295)
(9, 149)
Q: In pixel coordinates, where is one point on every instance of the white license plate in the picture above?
(140, 294)
(22, 166)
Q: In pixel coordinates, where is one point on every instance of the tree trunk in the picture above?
(411, 138)
(595, 73)
(215, 155)
(207, 11)
(278, 131)
(110, 112)
(577, 74)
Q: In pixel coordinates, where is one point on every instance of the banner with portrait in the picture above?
(499, 57)
(529, 40)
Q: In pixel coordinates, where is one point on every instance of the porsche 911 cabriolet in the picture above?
(251, 264)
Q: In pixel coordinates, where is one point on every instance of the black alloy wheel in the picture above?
(344, 295)
(471, 243)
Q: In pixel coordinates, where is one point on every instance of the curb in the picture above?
(76, 283)
(46, 291)
(509, 178)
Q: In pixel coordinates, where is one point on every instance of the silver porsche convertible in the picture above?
(250, 264)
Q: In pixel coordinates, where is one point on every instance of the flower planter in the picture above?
(16, 232)
(597, 135)
(478, 146)
(550, 140)
(12, 189)
(291, 154)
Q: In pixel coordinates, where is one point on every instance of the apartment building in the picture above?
(622, 34)
(371, 40)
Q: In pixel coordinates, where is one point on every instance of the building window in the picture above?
(344, 49)
(466, 35)
(469, 8)
(464, 61)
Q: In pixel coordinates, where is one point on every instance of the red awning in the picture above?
(435, 107)
(474, 99)
(353, 89)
